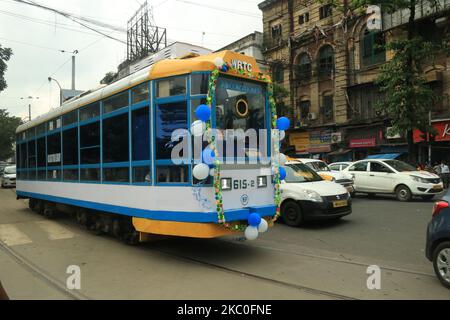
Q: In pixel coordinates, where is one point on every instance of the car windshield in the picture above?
(400, 166)
(10, 170)
(300, 173)
(318, 166)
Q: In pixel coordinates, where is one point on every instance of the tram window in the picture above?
(169, 117)
(90, 175)
(141, 134)
(116, 175)
(54, 150)
(18, 159)
(42, 175)
(89, 112)
(140, 93)
(90, 143)
(54, 124)
(70, 147)
(70, 118)
(199, 84)
(32, 154)
(115, 139)
(23, 156)
(141, 175)
(171, 87)
(70, 175)
(54, 174)
(115, 103)
(194, 105)
(40, 129)
(172, 174)
(32, 175)
(41, 153)
(31, 133)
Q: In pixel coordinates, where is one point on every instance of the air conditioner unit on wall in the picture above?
(312, 116)
(336, 137)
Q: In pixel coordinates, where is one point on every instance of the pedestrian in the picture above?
(3, 295)
(445, 174)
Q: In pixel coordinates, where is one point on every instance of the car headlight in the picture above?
(262, 182)
(226, 184)
(419, 179)
(313, 196)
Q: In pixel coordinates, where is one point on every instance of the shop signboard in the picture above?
(300, 140)
(442, 129)
(320, 141)
(363, 143)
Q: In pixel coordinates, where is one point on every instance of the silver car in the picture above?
(9, 177)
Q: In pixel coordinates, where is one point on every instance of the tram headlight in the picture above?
(262, 182)
(226, 184)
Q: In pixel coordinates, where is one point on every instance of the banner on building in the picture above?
(300, 140)
(363, 143)
(443, 132)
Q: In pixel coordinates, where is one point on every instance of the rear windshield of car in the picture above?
(10, 170)
(318, 166)
(300, 173)
(400, 166)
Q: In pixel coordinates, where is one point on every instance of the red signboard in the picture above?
(443, 132)
(363, 143)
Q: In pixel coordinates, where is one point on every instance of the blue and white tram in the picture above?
(107, 155)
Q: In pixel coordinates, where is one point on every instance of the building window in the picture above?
(373, 48)
(326, 61)
(115, 103)
(303, 18)
(305, 107)
(327, 108)
(115, 139)
(277, 31)
(90, 143)
(325, 11)
(172, 87)
(304, 67)
(278, 73)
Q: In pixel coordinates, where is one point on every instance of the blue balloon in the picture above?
(224, 68)
(203, 112)
(282, 173)
(283, 124)
(208, 156)
(254, 220)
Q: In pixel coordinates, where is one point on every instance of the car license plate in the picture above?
(340, 204)
(437, 187)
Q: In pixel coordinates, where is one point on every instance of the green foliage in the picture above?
(8, 126)
(279, 92)
(109, 78)
(5, 55)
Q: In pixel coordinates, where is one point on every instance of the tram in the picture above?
(107, 155)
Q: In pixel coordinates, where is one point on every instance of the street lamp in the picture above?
(60, 90)
(29, 105)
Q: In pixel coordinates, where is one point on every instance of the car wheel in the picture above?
(441, 263)
(292, 214)
(403, 193)
(428, 198)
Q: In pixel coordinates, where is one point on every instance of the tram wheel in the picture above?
(49, 211)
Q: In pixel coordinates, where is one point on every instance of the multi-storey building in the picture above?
(329, 61)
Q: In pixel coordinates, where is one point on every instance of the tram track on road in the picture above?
(41, 274)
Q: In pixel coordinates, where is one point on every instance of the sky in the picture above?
(37, 37)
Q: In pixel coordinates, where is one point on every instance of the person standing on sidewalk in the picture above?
(3, 295)
(445, 174)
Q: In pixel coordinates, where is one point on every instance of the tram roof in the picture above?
(161, 69)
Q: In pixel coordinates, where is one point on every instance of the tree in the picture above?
(5, 55)
(279, 94)
(8, 126)
(109, 78)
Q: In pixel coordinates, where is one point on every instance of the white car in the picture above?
(306, 196)
(344, 179)
(394, 177)
(339, 166)
(9, 177)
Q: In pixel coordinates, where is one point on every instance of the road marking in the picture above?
(12, 236)
(55, 231)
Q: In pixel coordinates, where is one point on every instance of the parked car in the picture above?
(339, 166)
(344, 179)
(438, 240)
(9, 177)
(306, 196)
(394, 177)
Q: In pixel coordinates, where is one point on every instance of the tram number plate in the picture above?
(243, 184)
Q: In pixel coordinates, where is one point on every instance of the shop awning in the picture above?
(387, 156)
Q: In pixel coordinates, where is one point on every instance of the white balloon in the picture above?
(212, 172)
(263, 226)
(201, 171)
(282, 160)
(282, 135)
(251, 233)
(198, 128)
(219, 62)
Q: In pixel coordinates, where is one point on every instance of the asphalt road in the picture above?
(317, 261)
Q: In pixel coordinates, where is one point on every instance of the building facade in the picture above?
(329, 61)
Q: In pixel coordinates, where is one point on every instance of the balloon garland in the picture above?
(256, 224)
